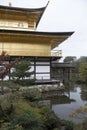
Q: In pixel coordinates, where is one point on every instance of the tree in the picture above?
(83, 71)
(5, 67)
(82, 59)
(70, 59)
(80, 68)
(21, 73)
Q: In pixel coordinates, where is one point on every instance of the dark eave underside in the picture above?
(22, 9)
(37, 32)
(35, 58)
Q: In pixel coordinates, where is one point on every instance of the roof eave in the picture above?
(21, 9)
(35, 32)
(42, 14)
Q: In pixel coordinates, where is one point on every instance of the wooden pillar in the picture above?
(50, 69)
(35, 68)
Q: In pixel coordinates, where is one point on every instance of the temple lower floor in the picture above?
(48, 69)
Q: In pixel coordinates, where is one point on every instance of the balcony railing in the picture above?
(56, 53)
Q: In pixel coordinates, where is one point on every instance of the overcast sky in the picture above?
(62, 16)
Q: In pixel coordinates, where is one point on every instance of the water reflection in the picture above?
(84, 92)
(61, 100)
(67, 102)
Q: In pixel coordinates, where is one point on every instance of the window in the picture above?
(20, 25)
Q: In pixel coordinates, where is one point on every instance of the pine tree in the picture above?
(21, 73)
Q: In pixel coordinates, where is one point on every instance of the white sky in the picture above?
(62, 16)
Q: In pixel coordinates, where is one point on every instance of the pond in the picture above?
(71, 100)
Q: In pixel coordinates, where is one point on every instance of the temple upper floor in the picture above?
(17, 25)
(15, 18)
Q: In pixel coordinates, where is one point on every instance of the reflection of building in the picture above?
(19, 38)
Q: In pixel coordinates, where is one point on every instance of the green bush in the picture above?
(17, 113)
(21, 116)
(78, 126)
(26, 116)
(69, 125)
(28, 120)
(31, 94)
(50, 120)
(84, 124)
(9, 126)
(24, 82)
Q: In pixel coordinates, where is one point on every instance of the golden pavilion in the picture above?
(19, 38)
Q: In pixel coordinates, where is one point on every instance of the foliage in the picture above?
(5, 67)
(70, 59)
(81, 126)
(8, 126)
(31, 94)
(82, 59)
(56, 129)
(9, 86)
(51, 121)
(27, 116)
(78, 126)
(84, 124)
(69, 125)
(17, 113)
(21, 73)
(81, 110)
(83, 71)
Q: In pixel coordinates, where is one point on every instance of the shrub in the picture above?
(69, 125)
(9, 126)
(31, 94)
(50, 120)
(84, 124)
(26, 116)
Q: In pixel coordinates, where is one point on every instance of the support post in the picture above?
(34, 68)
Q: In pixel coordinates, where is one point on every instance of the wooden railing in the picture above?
(56, 53)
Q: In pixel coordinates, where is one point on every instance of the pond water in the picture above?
(64, 105)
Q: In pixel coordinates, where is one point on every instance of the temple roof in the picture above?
(52, 38)
(32, 14)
